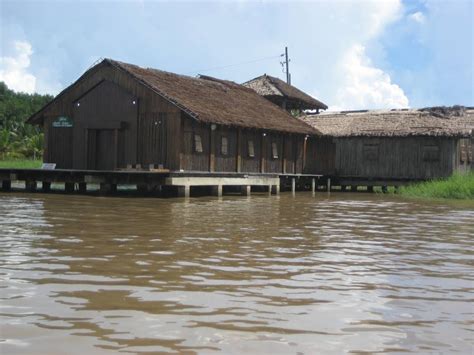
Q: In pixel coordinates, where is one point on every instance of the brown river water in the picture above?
(345, 273)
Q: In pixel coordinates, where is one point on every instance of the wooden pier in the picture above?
(156, 183)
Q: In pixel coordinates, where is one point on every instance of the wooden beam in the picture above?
(239, 151)
(212, 150)
(283, 154)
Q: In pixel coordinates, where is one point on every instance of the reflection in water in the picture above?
(352, 273)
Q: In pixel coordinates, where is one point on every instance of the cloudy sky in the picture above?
(349, 54)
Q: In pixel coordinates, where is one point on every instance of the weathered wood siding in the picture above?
(58, 143)
(193, 160)
(251, 164)
(225, 162)
(464, 154)
(105, 128)
(273, 163)
(320, 156)
(409, 158)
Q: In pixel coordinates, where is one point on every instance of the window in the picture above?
(251, 149)
(430, 153)
(371, 152)
(197, 143)
(274, 150)
(224, 146)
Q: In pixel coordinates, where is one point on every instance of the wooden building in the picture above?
(398, 144)
(284, 95)
(118, 115)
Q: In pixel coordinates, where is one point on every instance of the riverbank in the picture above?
(458, 186)
(20, 164)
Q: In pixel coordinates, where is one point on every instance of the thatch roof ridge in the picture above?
(433, 121)
(267, 85)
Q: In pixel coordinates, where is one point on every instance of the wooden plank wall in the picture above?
(396, 157)
(102, 109)
(320, 156)
(249, 164)
(59, 144)
(226, 162)
(273, 165)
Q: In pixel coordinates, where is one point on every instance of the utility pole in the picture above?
(285, 66)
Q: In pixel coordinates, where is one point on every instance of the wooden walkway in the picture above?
(166, 183)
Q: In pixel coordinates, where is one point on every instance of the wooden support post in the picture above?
(246, 190)
(269, 189)
(239, 151)
(30, 186)
(370, 188)
(107, 188)
(212, 149)
(343, 188)
(329, 184)
(275, 189)
(217, 190)
(263, 153)
(313, 185)
(354, 188)
(69, 187)
(46, 186)
(293, 185)
(184, 191)
(6, 185)
(82, 187)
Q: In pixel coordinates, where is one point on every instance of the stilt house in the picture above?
(397, 144)
(118, 115)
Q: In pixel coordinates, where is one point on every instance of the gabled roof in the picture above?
(269, 86)
(456, 121)
(211, 100)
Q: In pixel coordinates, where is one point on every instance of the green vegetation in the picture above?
(20, 164)
(458, 186)
(19, 140)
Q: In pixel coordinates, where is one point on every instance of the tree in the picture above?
(17, 138)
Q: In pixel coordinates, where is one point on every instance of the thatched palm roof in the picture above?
(277, 90)
(436, 121)
(208, 100)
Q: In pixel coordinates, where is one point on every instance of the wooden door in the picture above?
(101, 149)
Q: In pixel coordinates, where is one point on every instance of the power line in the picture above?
(236, 64)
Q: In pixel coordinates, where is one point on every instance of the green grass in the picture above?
(458, 186)
(20, 164)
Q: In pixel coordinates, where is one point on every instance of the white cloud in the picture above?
(417, 17)
(14, 69)
(364, 86)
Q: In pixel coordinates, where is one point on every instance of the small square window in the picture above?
(274, 150)
(251, 149)
(224, 146)
(197, 143)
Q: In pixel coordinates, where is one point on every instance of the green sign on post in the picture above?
(62, 122)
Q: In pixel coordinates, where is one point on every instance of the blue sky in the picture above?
(349, 54)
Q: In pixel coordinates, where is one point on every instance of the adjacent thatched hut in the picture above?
(396, 144)
(284, 95)
(119, 114)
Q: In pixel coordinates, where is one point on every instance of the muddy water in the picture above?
(349, 273)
